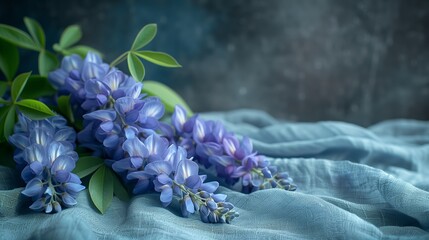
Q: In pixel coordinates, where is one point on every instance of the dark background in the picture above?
(355, 61)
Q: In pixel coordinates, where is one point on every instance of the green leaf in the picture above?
(34, 109)
(36, 31)
(145, 36)
(167, 95)
(135, 66)
(9, 122)
(101, 188)
(3, 88)
(2, 101)
(71, 35)
(18, 85)
(47, 62)
(17, 37)
(119, 189)
(65, 107)
(9, 59)
(159, 58)
(43, 86)
(87, 165)
(80, 50)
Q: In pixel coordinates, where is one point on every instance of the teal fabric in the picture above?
(353, 183)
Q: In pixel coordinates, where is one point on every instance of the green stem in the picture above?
(119, 59)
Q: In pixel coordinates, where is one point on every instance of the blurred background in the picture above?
(355, 61)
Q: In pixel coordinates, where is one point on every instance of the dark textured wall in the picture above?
(357, 61)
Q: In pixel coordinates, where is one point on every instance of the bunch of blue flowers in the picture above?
(123, 134)
(211, 145)
(45, 154)
(123, 126)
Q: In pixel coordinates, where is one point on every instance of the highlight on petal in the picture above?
(35, 153)
(65, 163)
(135, 148)
(155, 145)
(102, 115)
(153, 109)
(230, 145)
(200, 130)
(178, 118)
(185, 169)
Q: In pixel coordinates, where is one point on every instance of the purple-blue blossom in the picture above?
(233, 159)
(174, 175)
(45, 154)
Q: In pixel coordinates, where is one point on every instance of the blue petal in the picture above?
(92, 57)
(65, 163)
(27, 174)
(222, 160)
(185, 169)
(36, 168)
(33, 188)
(210, 186)
(218, 132)
(132, 116)
(138, 175)
(19, 140)
(156, 145)
(134, 91)
(102, 115)
(219, 197)
(166, 196)
(208, 149)
(135, 148)
(101, 99)
(246, 145)
(230, 145)
(68, 200)
(71, 62)
(178, 118)
(158, 167)
(111, 141)
(38, 204)
(62, 176)
(189, 205)
(124, 105)
(57, 78)
(57, 149)
(130, 132)
(153, 109)
(193, 182)
(73, 187)
(122, 165)
(92, 71)
(35, 153)
(41, 135)
(48, 208)
(65, 134)
(136, 162)
(200, 130)
(164, 179)
(107, 126)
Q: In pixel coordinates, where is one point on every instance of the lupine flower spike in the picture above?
(45, 153)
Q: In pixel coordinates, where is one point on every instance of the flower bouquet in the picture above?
(83, 120)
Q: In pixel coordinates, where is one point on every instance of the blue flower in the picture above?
(45, 153)
(175, 175)
(234, 160)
